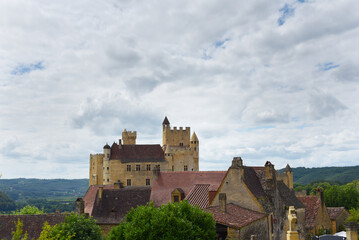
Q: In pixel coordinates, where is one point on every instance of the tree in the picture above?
(28, 210)
(172, 221)
(74, 227)
(18, 233)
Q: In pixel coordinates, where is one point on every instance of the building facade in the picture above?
(137, 165)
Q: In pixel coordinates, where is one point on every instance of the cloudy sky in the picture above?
(265, 80)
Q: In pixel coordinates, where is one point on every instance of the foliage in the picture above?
(74, 227)
(49, 206)
(27, 210)
(18, 233)
(172, 221)
(354, 215)
(346, 196)
(6, 203)
(342, 175)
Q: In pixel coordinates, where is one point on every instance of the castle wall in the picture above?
(118, 171)
(180, 159)
(96, 162)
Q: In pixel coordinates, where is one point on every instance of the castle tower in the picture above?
(195, 149)
(106, 164)
(165, 126)
(175, 137)
(129, 138)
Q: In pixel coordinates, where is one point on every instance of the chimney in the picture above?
(222, 202)
(100, 190)
(80, 206)
(237, 162)
(352, 230)
(320, 193)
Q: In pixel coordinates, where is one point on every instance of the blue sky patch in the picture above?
(26, 68)
(302, 1)
(327, 66)
(286, 11)
(221, 43)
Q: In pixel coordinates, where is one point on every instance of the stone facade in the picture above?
(138, 165)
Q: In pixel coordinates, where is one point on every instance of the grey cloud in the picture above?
(322, 105)
(347, 73)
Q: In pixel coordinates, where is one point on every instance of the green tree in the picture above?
(171, 221)
(354, 216)
(18, 233)
(74, 227)
(27, 210)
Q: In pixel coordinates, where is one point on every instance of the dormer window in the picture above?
(177, 195)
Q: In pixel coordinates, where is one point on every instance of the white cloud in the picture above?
(75, 74)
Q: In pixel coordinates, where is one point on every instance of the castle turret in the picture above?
(195, 149)
(106, 164)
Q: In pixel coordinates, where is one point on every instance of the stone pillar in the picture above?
(223, 202)
(292, 234)
(352, 230)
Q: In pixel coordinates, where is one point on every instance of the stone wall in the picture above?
(260, 230)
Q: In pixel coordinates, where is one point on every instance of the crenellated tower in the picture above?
(128, 137)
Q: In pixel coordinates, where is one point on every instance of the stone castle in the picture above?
(132, 164)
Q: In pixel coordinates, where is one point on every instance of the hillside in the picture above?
(22, 188)
(342, 175)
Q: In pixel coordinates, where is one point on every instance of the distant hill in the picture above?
(25, 188)
(342, 175)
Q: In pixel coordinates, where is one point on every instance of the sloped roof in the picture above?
(168, 181)
(253, 183)
(288, 196)
(235, 216)
(32, 224)
(137, 153)
(115, 203)
(165, 121)
(90, 196)
(312, 206)
(334, 212)
(198, 196)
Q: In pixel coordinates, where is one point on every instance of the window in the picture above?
(108, 180)
(108, 168)
(108, 155)
(176, 198)
(128, 182)
(138, 167)
(195, 148)
(148, 167)
(128, 168)
(158, 167)
(181, 144)
(185, 168)
(173, 168)
(148, 182)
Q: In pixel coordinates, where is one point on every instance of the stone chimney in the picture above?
(269, 170)
(79, 206)
(352, 230)
(320, 193)
(223, 202)
(100, 190)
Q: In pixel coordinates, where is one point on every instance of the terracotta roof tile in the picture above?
(235, 216)
(312, 206)
(334, 212)
(137, 153)
(90, 196)
(115, 203)
(168, 181)
(198, 196)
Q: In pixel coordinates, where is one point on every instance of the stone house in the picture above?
(316, 214)
(337, 215)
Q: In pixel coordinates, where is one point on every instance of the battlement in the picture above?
(129, 137)
(178, 129)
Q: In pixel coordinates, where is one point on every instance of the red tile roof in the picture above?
(168, 181)
(312, 206)
(334, 212)
(90, 196)
(137, 153)
(198, 196)
(235, 216)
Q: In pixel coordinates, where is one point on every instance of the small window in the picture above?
(158, 167)
(173, 168)
(148, 182)
(185, 168)
(138, 167)
(128, 182)
(181, 144)
(195, 148)
(108, 155)
(108, 168)
(176, 198)
(128, 168)
(148, 167)
(108, 180)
